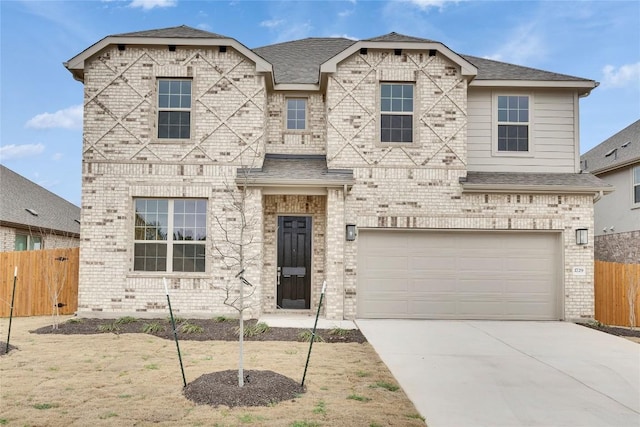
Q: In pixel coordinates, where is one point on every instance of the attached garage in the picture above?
(459, 275)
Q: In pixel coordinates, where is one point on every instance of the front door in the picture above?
(294, 262)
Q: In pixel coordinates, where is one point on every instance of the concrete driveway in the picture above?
(485, 373)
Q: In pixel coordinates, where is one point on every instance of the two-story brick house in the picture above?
(418, 182)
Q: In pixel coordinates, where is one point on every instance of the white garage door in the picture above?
(458, 275)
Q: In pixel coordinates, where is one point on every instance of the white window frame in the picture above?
(306, 113)
(391, 112)
(170, 242)
(496, 123)
(635, 182)
(162, 109)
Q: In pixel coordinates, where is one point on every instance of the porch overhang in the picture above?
(534, 183)
(291, 172)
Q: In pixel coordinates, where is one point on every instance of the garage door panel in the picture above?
(458, 275)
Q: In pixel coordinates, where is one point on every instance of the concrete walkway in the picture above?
(483, 373)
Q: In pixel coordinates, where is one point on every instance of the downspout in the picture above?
(344, 260)
(598, 196)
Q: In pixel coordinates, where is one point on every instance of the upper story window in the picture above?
(170, 235)
(636, 185)
(296, 113)
(27, 243)
(174, 109)
(396, 112)
(513, 123)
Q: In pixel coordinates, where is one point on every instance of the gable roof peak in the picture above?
(397, 37)
(181, 31)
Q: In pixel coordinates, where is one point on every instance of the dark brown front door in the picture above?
(294, 262)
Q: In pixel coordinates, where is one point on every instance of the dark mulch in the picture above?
(3, 348)
(261, 388)
(614, 330)
(212, 330)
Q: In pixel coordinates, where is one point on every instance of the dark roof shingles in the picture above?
(596, 159)
(577, 180)
(182, 31)
(295, 168)
(18, 193)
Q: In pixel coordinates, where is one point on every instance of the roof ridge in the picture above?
(465, 56)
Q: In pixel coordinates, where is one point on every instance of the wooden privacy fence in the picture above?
(41, 274)
(615, 285)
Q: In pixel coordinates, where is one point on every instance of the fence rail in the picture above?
(614, 285)
(40, 275)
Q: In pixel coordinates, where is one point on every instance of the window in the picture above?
(28, 243)
(636, 185)
(396, 107)
(296, 114)
(174, 109)
(170, 235)
(513, 123)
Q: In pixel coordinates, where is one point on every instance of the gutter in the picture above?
(535, 189)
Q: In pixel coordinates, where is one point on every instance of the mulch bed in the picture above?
(614, 330)
(3, 348)
(261, 388)
(212, 330)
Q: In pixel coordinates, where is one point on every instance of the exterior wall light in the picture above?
(582, 236)
(351, 232)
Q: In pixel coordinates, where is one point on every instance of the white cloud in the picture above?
(271, 23)
(204, 27)
(14, 151)
(524, 47)
(150, 4)
(68, 118)
(430, 4)
(344, 36)
(622, 76)
(345, 13)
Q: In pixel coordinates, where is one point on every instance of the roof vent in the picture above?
(222, 49)
(626, 144)
(121, 47)
(77, 220)
(432, 52)
(363, 51)
(612, 151)
(397, 52)
(31, 211)
(172, 48)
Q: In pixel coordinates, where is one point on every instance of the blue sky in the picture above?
(41, 104)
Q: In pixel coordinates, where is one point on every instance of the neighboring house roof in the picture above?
(534, 182)
(301, 62)
(294, 171)
(54, 214)
(620, 150)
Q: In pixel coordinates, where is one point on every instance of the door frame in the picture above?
(310, 218)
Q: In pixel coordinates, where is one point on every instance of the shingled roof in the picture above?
(534, 182)
(52, 212)
(619, 150)
(295, 170)
(299, 61)
(489, 69)
(397, 37)
(179, 32)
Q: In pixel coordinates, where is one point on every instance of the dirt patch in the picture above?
(261, 388)
(134, 379)
(3, 348)
(199, 330)
(615, 330)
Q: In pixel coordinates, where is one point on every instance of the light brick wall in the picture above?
(123, 160)
(51, 241)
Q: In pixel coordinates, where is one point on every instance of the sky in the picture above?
(41, 103)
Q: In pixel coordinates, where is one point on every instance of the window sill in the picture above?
(515, 154)
(168, 275)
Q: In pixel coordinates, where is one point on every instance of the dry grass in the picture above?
(134, 379)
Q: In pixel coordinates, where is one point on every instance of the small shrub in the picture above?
(254, 330)
(375, 425)
(221, 319)
(320, 408)
(415, 417)
(358, 397)
(4, 421)
(305, 424)
(386, 385)
(151, 366)
(74, 320)
(176, 319)
(124, 396)
(108, 415)
(190, 328)
(45, 405)
(362, 374)
(339, 332)
(108, 327)
(153, 328)
(124, 320)
(305, 336)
